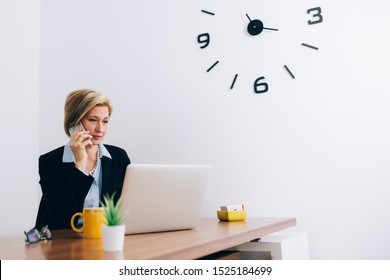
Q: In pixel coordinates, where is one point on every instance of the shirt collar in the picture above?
(68, 155)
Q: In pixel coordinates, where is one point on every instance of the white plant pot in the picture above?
(113, 238)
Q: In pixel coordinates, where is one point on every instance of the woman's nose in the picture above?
(99, 126)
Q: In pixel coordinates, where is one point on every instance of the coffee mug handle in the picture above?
(72, 222)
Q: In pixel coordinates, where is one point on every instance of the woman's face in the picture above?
(96, 122)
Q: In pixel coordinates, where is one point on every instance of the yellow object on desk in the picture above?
(230, 216)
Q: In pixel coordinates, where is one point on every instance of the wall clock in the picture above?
(253, 30)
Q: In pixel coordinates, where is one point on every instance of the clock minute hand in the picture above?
(272, 29)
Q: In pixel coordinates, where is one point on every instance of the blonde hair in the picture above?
(79, 102)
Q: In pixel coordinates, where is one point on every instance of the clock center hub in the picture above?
(255, 27)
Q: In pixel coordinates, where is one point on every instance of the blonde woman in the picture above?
(81, 172)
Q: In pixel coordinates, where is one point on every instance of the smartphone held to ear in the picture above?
(76, 129)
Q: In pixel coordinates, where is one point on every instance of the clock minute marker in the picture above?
(309, 46)
(212, 66)
(234, 81)
(288, 70)
(207, 12)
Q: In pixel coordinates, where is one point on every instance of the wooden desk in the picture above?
(209, 237)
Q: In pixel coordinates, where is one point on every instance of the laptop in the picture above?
(163, 197)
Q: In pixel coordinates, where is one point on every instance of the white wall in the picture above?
(19, 90)
(315, 148)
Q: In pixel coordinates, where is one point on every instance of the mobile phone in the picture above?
(75, 129)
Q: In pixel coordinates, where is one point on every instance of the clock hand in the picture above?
(273, 29)
(256, 26)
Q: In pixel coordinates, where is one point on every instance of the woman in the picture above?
(80, 173)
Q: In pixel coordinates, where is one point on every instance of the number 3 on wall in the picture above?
(317, 16)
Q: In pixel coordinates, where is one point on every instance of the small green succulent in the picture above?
(112, 210)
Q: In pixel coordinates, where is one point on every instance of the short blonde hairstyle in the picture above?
(79, 102)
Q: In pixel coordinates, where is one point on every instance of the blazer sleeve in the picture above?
(64, 189)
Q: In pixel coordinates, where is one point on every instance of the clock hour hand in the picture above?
(256, 26)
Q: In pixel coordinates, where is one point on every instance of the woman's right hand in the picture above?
(79, 143)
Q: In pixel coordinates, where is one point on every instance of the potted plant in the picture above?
(113, 232)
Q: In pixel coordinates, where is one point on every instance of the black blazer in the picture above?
(64, 187)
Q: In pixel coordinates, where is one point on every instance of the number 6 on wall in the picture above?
(260, 87)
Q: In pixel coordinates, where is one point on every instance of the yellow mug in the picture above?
(93, 219)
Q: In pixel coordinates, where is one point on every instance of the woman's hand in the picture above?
(79, 143)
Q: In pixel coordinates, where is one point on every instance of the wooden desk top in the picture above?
(209, 237)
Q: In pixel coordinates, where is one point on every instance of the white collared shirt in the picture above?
(93, 197)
